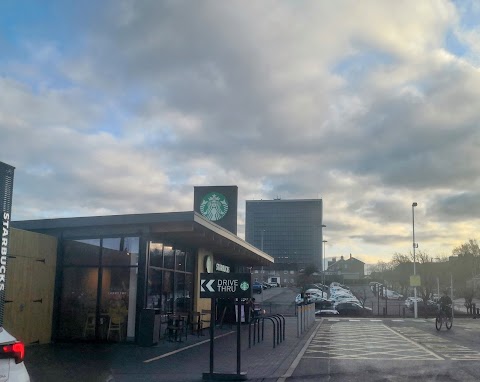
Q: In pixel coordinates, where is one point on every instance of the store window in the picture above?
(99, 288)
(170, 278)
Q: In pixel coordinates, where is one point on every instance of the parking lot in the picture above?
(390, 349)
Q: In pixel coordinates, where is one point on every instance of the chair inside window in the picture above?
(116, 326)
(205, 318)
(117, 313)
(195, 323)
(89, 325)
(176, 328)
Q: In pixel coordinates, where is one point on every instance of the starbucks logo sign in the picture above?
(214, 206)
(244, 286)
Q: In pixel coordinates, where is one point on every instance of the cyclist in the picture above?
(445, 304)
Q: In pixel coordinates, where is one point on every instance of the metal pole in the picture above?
(414, 267)
(239, 304)
(212, 331)
(263, 277)
(324, 267)
(451, 292)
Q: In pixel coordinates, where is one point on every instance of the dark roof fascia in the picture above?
(111, 220)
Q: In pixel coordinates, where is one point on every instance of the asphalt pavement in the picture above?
(342, 349)
(172, 361)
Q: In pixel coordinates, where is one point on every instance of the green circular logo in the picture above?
(214, 206)
(244, 286)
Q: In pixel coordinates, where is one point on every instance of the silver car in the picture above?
(12, 353)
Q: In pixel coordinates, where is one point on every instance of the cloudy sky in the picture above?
(118, 107)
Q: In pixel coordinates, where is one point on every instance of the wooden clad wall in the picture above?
(30, 286)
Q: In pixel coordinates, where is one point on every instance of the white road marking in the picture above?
(182, 349)
(415, 343)
(364, 341)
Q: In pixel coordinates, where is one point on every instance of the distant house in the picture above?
(350, 269)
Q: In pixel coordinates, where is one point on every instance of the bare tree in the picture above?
(427, 276)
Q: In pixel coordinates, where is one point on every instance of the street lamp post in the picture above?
(261, 247)
(415, 310)
(324, 241)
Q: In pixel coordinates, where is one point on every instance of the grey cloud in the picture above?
(244, 93)
(381, 239)
(458, 207)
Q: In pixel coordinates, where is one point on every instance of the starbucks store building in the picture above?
(113, 270)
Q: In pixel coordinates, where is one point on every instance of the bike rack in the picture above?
(278, 325)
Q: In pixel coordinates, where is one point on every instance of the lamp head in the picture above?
(414, 204)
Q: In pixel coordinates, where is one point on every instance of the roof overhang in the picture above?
(188, 228)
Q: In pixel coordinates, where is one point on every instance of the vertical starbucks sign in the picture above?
(6, 191)
(218, 204)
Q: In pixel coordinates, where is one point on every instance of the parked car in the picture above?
(324, 304)
(327, 312)
(344, 300)
(353, 309)
(392, 295)
(315, 297)
(298, 299)
(315, 294)
(428, 308)
(257, 288)
(409, 301)
(273, 284)
(12, 367)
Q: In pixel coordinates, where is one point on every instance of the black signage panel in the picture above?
(6, 191)
(224, 285)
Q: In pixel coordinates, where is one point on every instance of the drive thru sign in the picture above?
(221, 285)
(225, 285)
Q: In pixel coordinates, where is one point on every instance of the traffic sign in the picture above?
(415, 281)
(223, 285)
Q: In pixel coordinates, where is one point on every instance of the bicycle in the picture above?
(443, 317)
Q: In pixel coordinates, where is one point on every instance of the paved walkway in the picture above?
(169, 362)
